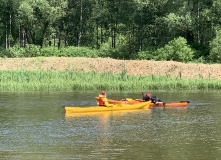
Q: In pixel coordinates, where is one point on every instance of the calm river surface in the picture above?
(34, 126)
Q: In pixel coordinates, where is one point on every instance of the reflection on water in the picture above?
(35, 126)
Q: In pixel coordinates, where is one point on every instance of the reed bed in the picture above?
(71, 80)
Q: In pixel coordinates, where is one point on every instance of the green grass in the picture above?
(71, 80)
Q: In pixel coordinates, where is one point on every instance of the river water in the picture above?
(35, 126)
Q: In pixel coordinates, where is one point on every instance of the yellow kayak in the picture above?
(115, 107)
(104, 115)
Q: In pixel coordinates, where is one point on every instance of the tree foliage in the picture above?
(175, 50)
(179, 30)
(215, 44)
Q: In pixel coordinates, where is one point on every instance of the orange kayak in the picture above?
(134, 101)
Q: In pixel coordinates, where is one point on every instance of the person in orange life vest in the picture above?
(154, 99)
(146, 96)
(102, 101)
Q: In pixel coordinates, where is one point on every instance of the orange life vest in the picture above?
(101, 100)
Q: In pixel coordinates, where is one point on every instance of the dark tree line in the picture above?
(131, 28)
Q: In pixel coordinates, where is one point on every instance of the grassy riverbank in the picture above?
(72, 80)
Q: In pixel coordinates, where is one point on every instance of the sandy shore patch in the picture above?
(109, 65)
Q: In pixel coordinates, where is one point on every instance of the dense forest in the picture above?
(179, 30)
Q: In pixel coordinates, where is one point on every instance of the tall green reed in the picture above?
(71, 80)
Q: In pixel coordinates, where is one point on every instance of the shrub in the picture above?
(31, 50)
(106, 50)
(15, 51)
(176, 50)
(143, 55)
(78, 52)
(119, 52)
(3, 52)
(49, 51)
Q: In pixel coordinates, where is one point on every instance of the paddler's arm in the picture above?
(106, 102)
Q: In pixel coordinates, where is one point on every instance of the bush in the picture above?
(14, 51)
(78, 52)
(176, 50)
(143, 55)
(119, 52)
(3, 52)
(106, 50)
(31, 50)
(49, 51)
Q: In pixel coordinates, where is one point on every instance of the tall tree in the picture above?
(100, 17)
(78, 22)
(146, 22)
(37, 16)
(7, 22)
(179, 22)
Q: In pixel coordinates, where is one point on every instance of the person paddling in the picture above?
(102, 101)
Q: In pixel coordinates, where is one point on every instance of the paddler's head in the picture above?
(146, 94)
(104, 93)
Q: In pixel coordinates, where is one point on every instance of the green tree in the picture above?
(201, 25)
(176, 50)
(180, 22)
(78, 23)
(100, 16)
(8, 27)
(215, 50)
(37, 16)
